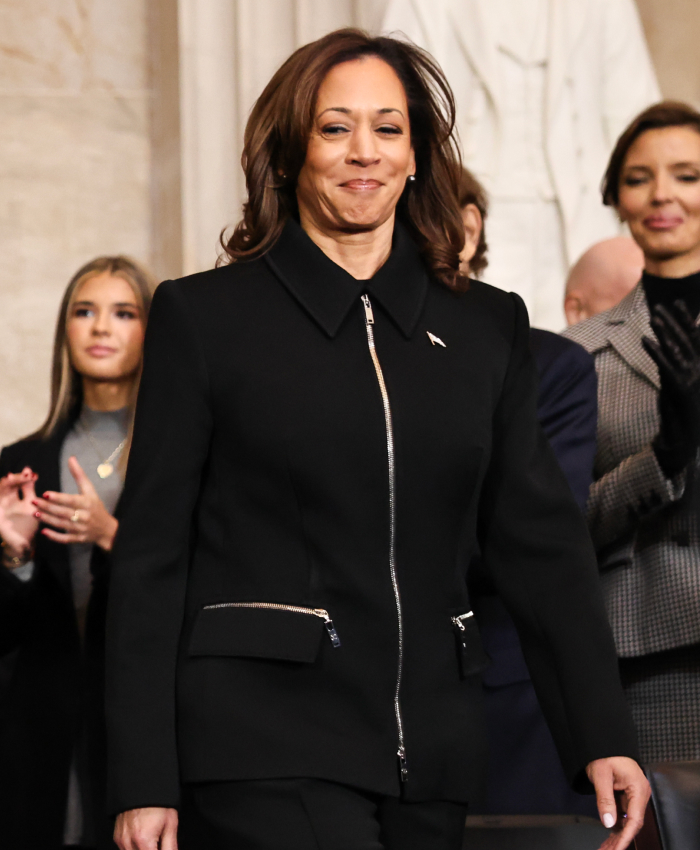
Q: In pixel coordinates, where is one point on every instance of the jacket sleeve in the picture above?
(15, 594)
(568, 413)
(632, 491)
(150, 558)
(537, 548)
(628, 76)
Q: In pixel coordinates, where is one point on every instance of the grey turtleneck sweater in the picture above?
(107, 430)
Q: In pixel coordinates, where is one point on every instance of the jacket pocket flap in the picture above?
(257, 633)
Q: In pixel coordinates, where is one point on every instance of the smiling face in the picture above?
(105, 329)
(660, 199)
(359, 155)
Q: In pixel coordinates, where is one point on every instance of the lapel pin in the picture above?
(435, 340)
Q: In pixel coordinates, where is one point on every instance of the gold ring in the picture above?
(75, 517)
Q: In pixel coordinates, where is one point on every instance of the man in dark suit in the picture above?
(524, 771)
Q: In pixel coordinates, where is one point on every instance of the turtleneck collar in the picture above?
(104, 420)
(667, 290)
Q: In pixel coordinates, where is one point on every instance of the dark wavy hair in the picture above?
(472, 192)
(280, 125)
(667, 113)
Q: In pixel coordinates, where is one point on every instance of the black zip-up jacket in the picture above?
(288, 452)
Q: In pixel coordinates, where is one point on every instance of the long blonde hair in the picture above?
(66, 381)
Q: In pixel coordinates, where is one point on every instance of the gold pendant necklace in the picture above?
(106, 468)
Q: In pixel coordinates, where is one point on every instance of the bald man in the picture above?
(602, 277)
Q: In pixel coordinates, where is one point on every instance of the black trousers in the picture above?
(311, 814)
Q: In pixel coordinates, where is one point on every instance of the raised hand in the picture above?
(80, 518)
(678, 350)
(18, 525)
(677, 355)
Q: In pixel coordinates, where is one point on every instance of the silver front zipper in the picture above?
(295, 609)
(369, 325)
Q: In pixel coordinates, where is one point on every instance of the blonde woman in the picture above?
(58, 492)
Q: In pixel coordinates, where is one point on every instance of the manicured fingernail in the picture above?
(47, 496)
(38, 515)
(608, 820)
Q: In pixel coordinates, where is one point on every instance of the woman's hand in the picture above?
(623, 777)
(18, 525)
(677, 356)
(82, 518)
(146, 829)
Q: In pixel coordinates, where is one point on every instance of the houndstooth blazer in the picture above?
(644, 526)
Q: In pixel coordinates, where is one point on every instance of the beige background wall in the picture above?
(120, 131)
(74, 170)
(673, 31)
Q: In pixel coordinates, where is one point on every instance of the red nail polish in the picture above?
(47, 496)
(37, 515)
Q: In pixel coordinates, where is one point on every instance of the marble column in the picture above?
(672, 29)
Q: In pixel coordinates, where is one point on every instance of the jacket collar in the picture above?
(627, 323)
(327, 292)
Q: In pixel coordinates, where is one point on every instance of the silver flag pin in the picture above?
(435, 340)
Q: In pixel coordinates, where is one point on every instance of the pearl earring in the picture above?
(411, 178)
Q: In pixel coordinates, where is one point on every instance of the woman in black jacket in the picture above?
(54, 565)
(326, 429)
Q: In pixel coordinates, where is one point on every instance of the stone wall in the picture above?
(74, 171)
(673, 31)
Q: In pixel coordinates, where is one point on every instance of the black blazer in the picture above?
(259, 473)
(50, 687)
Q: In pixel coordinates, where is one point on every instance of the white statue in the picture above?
(543, 89)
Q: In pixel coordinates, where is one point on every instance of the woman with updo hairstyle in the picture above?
(327, 428)
(643, 507)
(59, 489)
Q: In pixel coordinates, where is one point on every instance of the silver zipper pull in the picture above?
(458, 620)
(330, 628)
(369, 315)
(403, 764)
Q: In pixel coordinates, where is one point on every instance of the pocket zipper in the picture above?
(458, 620)
(295, 609)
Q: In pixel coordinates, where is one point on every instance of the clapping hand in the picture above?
(18, 525)
(80, 518)
(677, 355)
